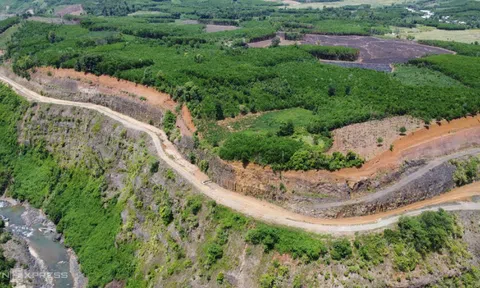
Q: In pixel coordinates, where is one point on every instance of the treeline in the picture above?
(91, 42)
(412, 240)
(461, 48)
(140, 27)
(343, 27)
(109, 65)
(332, 52)
(230, 22)
(7, 23)
(283, 153)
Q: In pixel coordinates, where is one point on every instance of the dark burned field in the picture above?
(375, 53)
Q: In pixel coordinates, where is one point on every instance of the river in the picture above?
(52, 256)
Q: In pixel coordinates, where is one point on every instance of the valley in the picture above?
(239, 144)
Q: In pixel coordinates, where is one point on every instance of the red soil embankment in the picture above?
(150, 94)
(435, 141)
(439, 139)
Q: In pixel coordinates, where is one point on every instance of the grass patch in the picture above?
(419, 76)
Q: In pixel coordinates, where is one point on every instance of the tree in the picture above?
(286, 129)
(332, 91)
(403, 130)
(219, 111)
(379, 141)
(52, 36)
(427, 123)
(275, 42)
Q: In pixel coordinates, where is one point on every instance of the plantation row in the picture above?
(462, 68)
(460, 48)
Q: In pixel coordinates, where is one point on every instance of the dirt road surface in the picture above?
(258, 209)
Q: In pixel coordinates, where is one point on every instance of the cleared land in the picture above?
(211, 28)
(267, 43)
(430, 33)
(70, 10)
(106, 85)
(373, 3)
(362, 137)
(377, 51)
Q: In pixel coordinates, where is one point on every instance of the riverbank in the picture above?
(41, 258)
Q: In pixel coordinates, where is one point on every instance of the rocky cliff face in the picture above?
(295, 190)
(181, 238)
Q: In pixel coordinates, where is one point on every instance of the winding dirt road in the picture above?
(256, 208)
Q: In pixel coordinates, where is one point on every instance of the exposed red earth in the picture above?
(264, 210)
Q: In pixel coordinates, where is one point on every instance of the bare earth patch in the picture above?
(375, 53)
(210, 28)
(362, 137)
(70, 10)
(51, 20)
(430, 33)
(286, 2)
(267, 43)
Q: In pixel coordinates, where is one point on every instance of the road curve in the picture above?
(255, 208)
(402, 182)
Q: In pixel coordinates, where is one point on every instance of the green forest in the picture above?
(217, 76)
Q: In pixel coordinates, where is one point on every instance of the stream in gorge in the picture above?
(31, 225)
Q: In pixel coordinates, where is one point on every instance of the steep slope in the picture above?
(134, 222)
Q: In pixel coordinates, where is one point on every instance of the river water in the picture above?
(41, 241)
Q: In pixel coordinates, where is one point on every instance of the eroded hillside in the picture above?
(133, 221)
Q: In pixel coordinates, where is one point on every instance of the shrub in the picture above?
(169, 122)
(154, 166)
(275, 42)
(286, 129)
(214, 252)
(341, 249)
(379, 141)
(220, 278)
(298, 244)
(204, 166)
(466, 171)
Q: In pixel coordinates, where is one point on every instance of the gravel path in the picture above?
(256, 208)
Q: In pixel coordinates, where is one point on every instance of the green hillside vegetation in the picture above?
(7, 23)
(71, 197)
(460, 48)
(461, 68)
(412, 75)
(218, 77)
